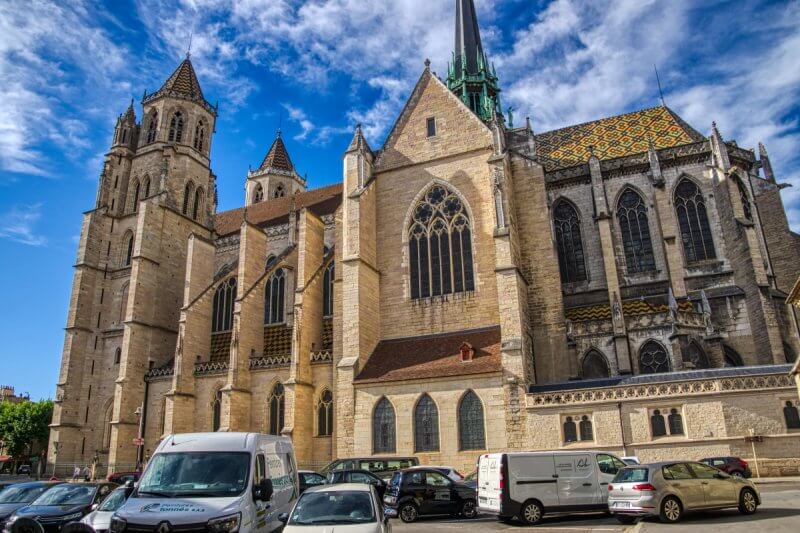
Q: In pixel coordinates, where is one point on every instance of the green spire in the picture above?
(470, 78)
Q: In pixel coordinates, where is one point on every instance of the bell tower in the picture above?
(276, 177)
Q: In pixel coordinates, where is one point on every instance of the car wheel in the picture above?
(531, 513)
(737, 474)
(26, 525)
(748, 504)
(671, 510)
(408, 512)
(625, 519)
(468, 509)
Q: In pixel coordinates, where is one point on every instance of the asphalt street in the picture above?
(779, 512)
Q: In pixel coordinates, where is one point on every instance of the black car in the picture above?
(19, 495)
(383, 467)
(357, 476)
(424, 491)
(64, 503)
(309, 479)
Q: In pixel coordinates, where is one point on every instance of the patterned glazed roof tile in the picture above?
(614, 137)
(277, 340)
(184, 82)
(429, 356)
(220, 346)
(629, 308)
(327, 334)
(277, 157)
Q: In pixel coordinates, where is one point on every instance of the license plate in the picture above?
(622, 504)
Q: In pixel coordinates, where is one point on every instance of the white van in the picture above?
(213, 482)
(527, 485)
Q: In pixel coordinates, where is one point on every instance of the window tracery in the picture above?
(635, 229)
(698, 245)
(568, 242)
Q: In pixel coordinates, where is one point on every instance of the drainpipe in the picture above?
(142, 423)
(622, 429)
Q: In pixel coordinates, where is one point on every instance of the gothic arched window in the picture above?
(693, 222)
(128, 243)
(570, 430)
(568, 242)
(732, 357)
(744, 198)
(653, 358)
(791, 415)
(440, 245)
(123, 302)
(586, 428)
(135, 199)
(117, 356)
(594, 365)
(199, 136)
(635, 229)
(107, 426)
(789, 353)
(274, 292)
(327, 291)
(198, 202)
(216, 411)
(471, 432)
(675, 421)
(696, 356)
(176, 127)
(383, 432)
(279, 192)
(325, 414)
(426, 425)
(222, 310)
(146, 187)
(276, 410)
(152, 127)
(657, 426)
(188, 193)
(258, 193)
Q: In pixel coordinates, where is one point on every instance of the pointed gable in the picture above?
(277, 157)
(458, 129)
(183, 81)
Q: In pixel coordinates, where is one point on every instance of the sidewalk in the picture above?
(768, 480)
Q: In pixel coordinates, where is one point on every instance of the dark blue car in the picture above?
(64, 503)
(19, 495)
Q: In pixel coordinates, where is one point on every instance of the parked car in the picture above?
(120, 478)
(62, 504)
(730, 465)
(349, 507)
(448, 471)
(416, 492)
(357, 476)
(213, 482)
(527, 485)
(100, 519)
(24, 470)
(631, 460)
(670, 489)
(19, 495)
(309, 479)
(383, 467)
(471, 479)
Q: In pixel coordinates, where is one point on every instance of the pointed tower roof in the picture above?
(358, 142)
(182, 83)
(468, 39)
(277, 158)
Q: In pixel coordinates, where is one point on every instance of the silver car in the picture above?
(669, 489)
(344, 508)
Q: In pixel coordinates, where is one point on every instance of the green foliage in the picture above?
(23, 424)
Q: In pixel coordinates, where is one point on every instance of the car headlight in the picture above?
(224, 524)
(118, 525)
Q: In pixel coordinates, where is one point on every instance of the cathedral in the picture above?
(469, 286)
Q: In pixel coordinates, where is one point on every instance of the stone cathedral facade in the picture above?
(470, 285)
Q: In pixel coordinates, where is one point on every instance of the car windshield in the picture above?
(631, 475)
(196, 474)
(114, 501)
(22, 493)
(471, 476)
(67, 494)
(333, 507)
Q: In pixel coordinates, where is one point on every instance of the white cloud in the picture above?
(18, 223)
(299, 117)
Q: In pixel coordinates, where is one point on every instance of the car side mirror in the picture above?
(283, 518)
(95, 506)
(263, 491)
(720, 475)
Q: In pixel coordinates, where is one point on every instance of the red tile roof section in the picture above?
(433, 356)
(322, 201)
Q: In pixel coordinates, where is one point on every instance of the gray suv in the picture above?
(669, 489)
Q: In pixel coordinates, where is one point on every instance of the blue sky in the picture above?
(320, 66)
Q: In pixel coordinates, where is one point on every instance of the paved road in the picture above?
(779, 512)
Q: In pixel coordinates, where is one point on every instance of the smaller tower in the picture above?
(276, 177)
(126, 132)
(470, 75)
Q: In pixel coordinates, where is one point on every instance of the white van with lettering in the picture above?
(528, 485)
(214, 482)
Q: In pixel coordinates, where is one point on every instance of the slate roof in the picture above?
(433, 356)
(277, 157)
(614, 137)
(322, 201)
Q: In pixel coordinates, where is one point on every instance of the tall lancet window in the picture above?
(274, 293)
(199, 136)
(568, 241)
(693, 221)
(383, 428)
(276, 410)
(440, 245)
(327, 291)
(222, 308)
(635, 229)
(258, 193)
(152, 127)
(426, 425)
(745, 198)
(176, 127)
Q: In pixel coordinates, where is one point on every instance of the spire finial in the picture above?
(658, 81)
(189, 48)
(427, 63)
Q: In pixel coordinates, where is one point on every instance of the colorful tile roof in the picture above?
(629, 308)
(277, 340)
(432, 356)
(220, 346)
(327, 334)
(614, 137)
(184, 82)
(277, 157)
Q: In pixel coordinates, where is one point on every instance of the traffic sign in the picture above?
(138, 441)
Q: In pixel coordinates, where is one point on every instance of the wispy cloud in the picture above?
(18, 223)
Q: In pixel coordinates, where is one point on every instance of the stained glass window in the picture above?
(586, 428)
(325, 414)
(471, 432)
(675, 422)
(274, 294)
(276, 410)
(570, 430)
(568, 242)
(693, 221)
(426, 425)
(653, 358)
(635, 229)
(657, 426)
(383, 430)
(327, 291)
(594, 365)
(745, 198)
(222, 307)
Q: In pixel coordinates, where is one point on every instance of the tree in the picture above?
(24, 424)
